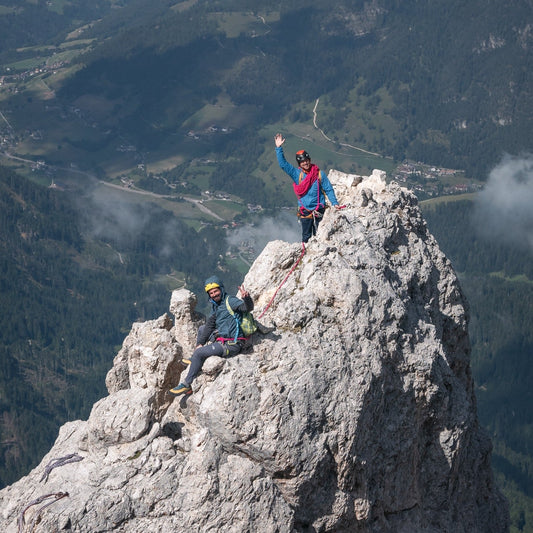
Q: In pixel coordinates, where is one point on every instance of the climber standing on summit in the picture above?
(311, 186)
(222, 327)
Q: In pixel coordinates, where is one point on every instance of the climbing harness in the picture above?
(227, 342)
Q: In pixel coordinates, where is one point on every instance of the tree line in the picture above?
(67, 303)
(497, 279)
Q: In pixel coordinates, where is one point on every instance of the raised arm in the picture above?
(289, 169)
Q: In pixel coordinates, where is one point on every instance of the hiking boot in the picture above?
(182, 388)
(186, 361)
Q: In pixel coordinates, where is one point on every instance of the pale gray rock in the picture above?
(111, 421)
(357, 414)
(187, 320)
(150, 358)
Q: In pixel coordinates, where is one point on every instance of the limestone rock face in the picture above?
(357, 414)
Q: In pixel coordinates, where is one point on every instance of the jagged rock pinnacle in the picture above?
(357, 414)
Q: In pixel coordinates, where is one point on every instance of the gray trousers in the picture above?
(199, 355)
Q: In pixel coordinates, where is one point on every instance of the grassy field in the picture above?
(164, 163)
(4, 10)
(174, 280)
(57, 5)
(238, 264)
(323, 152)
(224, 208)
(521, 278)
(445, 199)
(223, 114)
(236, 23)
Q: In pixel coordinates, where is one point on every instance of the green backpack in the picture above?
(246, 323)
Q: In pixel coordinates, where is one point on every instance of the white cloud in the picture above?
(113, 216)
(283, 226)
(504, 208)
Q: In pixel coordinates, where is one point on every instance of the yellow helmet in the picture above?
(212, 283)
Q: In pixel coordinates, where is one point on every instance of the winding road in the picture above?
(331, 140)
(194, 201)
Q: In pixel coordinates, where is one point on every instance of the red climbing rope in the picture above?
(286, 277)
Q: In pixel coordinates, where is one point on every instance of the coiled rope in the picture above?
(55, 497)
(54, 463)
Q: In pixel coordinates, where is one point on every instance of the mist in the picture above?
(113, 217)
(284, 226)
(129, 223)
(503, 210)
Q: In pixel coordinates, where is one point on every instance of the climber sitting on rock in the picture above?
(311, 186)
(229, 340)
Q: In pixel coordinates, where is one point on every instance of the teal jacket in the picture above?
(220, 318)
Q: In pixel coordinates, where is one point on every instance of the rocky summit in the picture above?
(356, 414)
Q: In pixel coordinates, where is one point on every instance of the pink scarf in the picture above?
(301, 189)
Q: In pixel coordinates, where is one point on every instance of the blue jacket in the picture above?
(220, 318)
(309, 201)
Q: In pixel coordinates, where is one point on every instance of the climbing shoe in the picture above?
(182, 388)
(186, 361)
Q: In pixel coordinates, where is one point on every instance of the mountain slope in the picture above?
(440, 82)
(458, 76)
(356, 414)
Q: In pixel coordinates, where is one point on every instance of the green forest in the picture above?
(498, 283)
(67, 303)
(192, 60)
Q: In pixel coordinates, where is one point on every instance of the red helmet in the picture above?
(301, 156)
